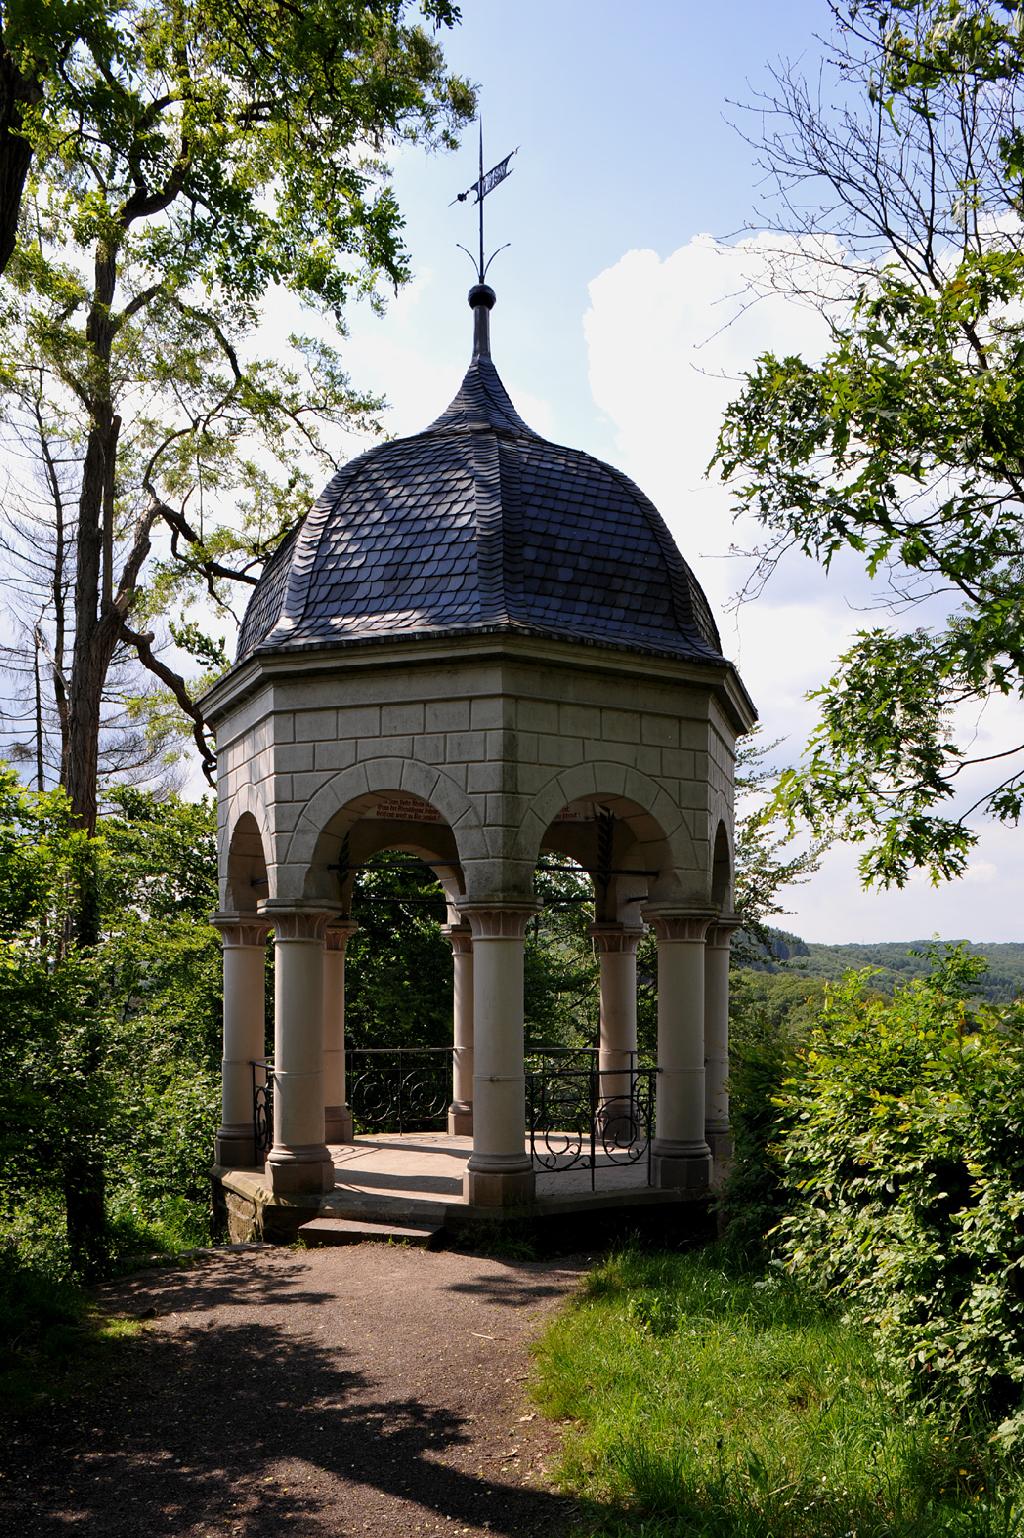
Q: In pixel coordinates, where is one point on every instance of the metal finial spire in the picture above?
(481, 271)
(481, 187)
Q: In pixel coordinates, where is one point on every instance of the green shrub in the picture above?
(770, 1017)
(903, 1157)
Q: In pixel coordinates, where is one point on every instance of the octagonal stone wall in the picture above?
(496, 739)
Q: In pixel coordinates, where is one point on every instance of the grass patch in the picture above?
(714, 1405)
(52, 1340)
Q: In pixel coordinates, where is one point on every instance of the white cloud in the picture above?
(668, 341)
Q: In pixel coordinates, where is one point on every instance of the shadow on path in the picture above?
(206, 1425)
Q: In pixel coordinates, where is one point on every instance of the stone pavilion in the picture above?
(478, 646)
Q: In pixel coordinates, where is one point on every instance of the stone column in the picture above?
(299, 1161)
(615, 948)
(716, 1037)
(681, 1157)
(460, 1112)
(499, 1173)
(337, 1113)
(243, 937)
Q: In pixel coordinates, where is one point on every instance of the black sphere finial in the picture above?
(481, 301)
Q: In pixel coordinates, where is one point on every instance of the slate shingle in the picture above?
(479, 524)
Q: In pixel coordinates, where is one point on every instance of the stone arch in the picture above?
(243, 842)
(245, 880)
(397, 775)
(722, 870)
(247, 798)
(323, 823)
(657, 818)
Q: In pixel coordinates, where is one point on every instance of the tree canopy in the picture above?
(187, 158)
(899, 176)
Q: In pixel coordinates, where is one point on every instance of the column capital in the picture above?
(459, 937)
(499, 920)
(688, 925)
(339, 932)
(298, 921)
(240, 929)
(614, 939)
(722, 929)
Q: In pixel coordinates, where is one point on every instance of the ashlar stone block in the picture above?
(401, 719)
(316, 725)
(447, 715)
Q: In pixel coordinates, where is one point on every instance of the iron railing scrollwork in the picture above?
(399, 1089)
(579, 1116)
(262, 1106)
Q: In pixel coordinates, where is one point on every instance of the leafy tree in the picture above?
(130, 1085)
(770, 1016)
(36, 46)
(766, 863)
(398, 967)
(50, 1100)
(901, 1158)
(902, 444)
(188, 158)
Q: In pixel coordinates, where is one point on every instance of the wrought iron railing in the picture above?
(579, 1116)
(262, 1106)
(399, 1089)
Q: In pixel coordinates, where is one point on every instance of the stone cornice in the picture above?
(721, 678)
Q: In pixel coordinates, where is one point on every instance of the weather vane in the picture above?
(482, 186)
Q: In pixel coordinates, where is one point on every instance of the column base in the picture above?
(515, 1187)
(234, 1148)
(682, 1166)
(300, 1171)
(338, 1124)
(460, 1118)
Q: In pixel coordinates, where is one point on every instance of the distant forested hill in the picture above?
(1002, 982)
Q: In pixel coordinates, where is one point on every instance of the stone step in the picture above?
(324, 1231)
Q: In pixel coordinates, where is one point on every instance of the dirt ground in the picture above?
(372, 1390)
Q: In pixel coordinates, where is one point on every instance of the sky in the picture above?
(622, 328)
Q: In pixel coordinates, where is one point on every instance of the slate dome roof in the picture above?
(478, 525)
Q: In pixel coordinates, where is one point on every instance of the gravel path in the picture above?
(371, 1390)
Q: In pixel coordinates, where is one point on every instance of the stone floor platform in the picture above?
(416, 1179)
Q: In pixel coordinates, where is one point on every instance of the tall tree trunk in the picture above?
(17, 91)
(96, 632)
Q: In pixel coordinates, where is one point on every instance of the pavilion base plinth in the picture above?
(460, 1118)
(501, 1185)
(300, 1172)
(235, 1148)
(338, 1124)
(247, 1211)
(680, 1166)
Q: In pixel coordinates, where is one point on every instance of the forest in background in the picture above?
(1001, 982)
